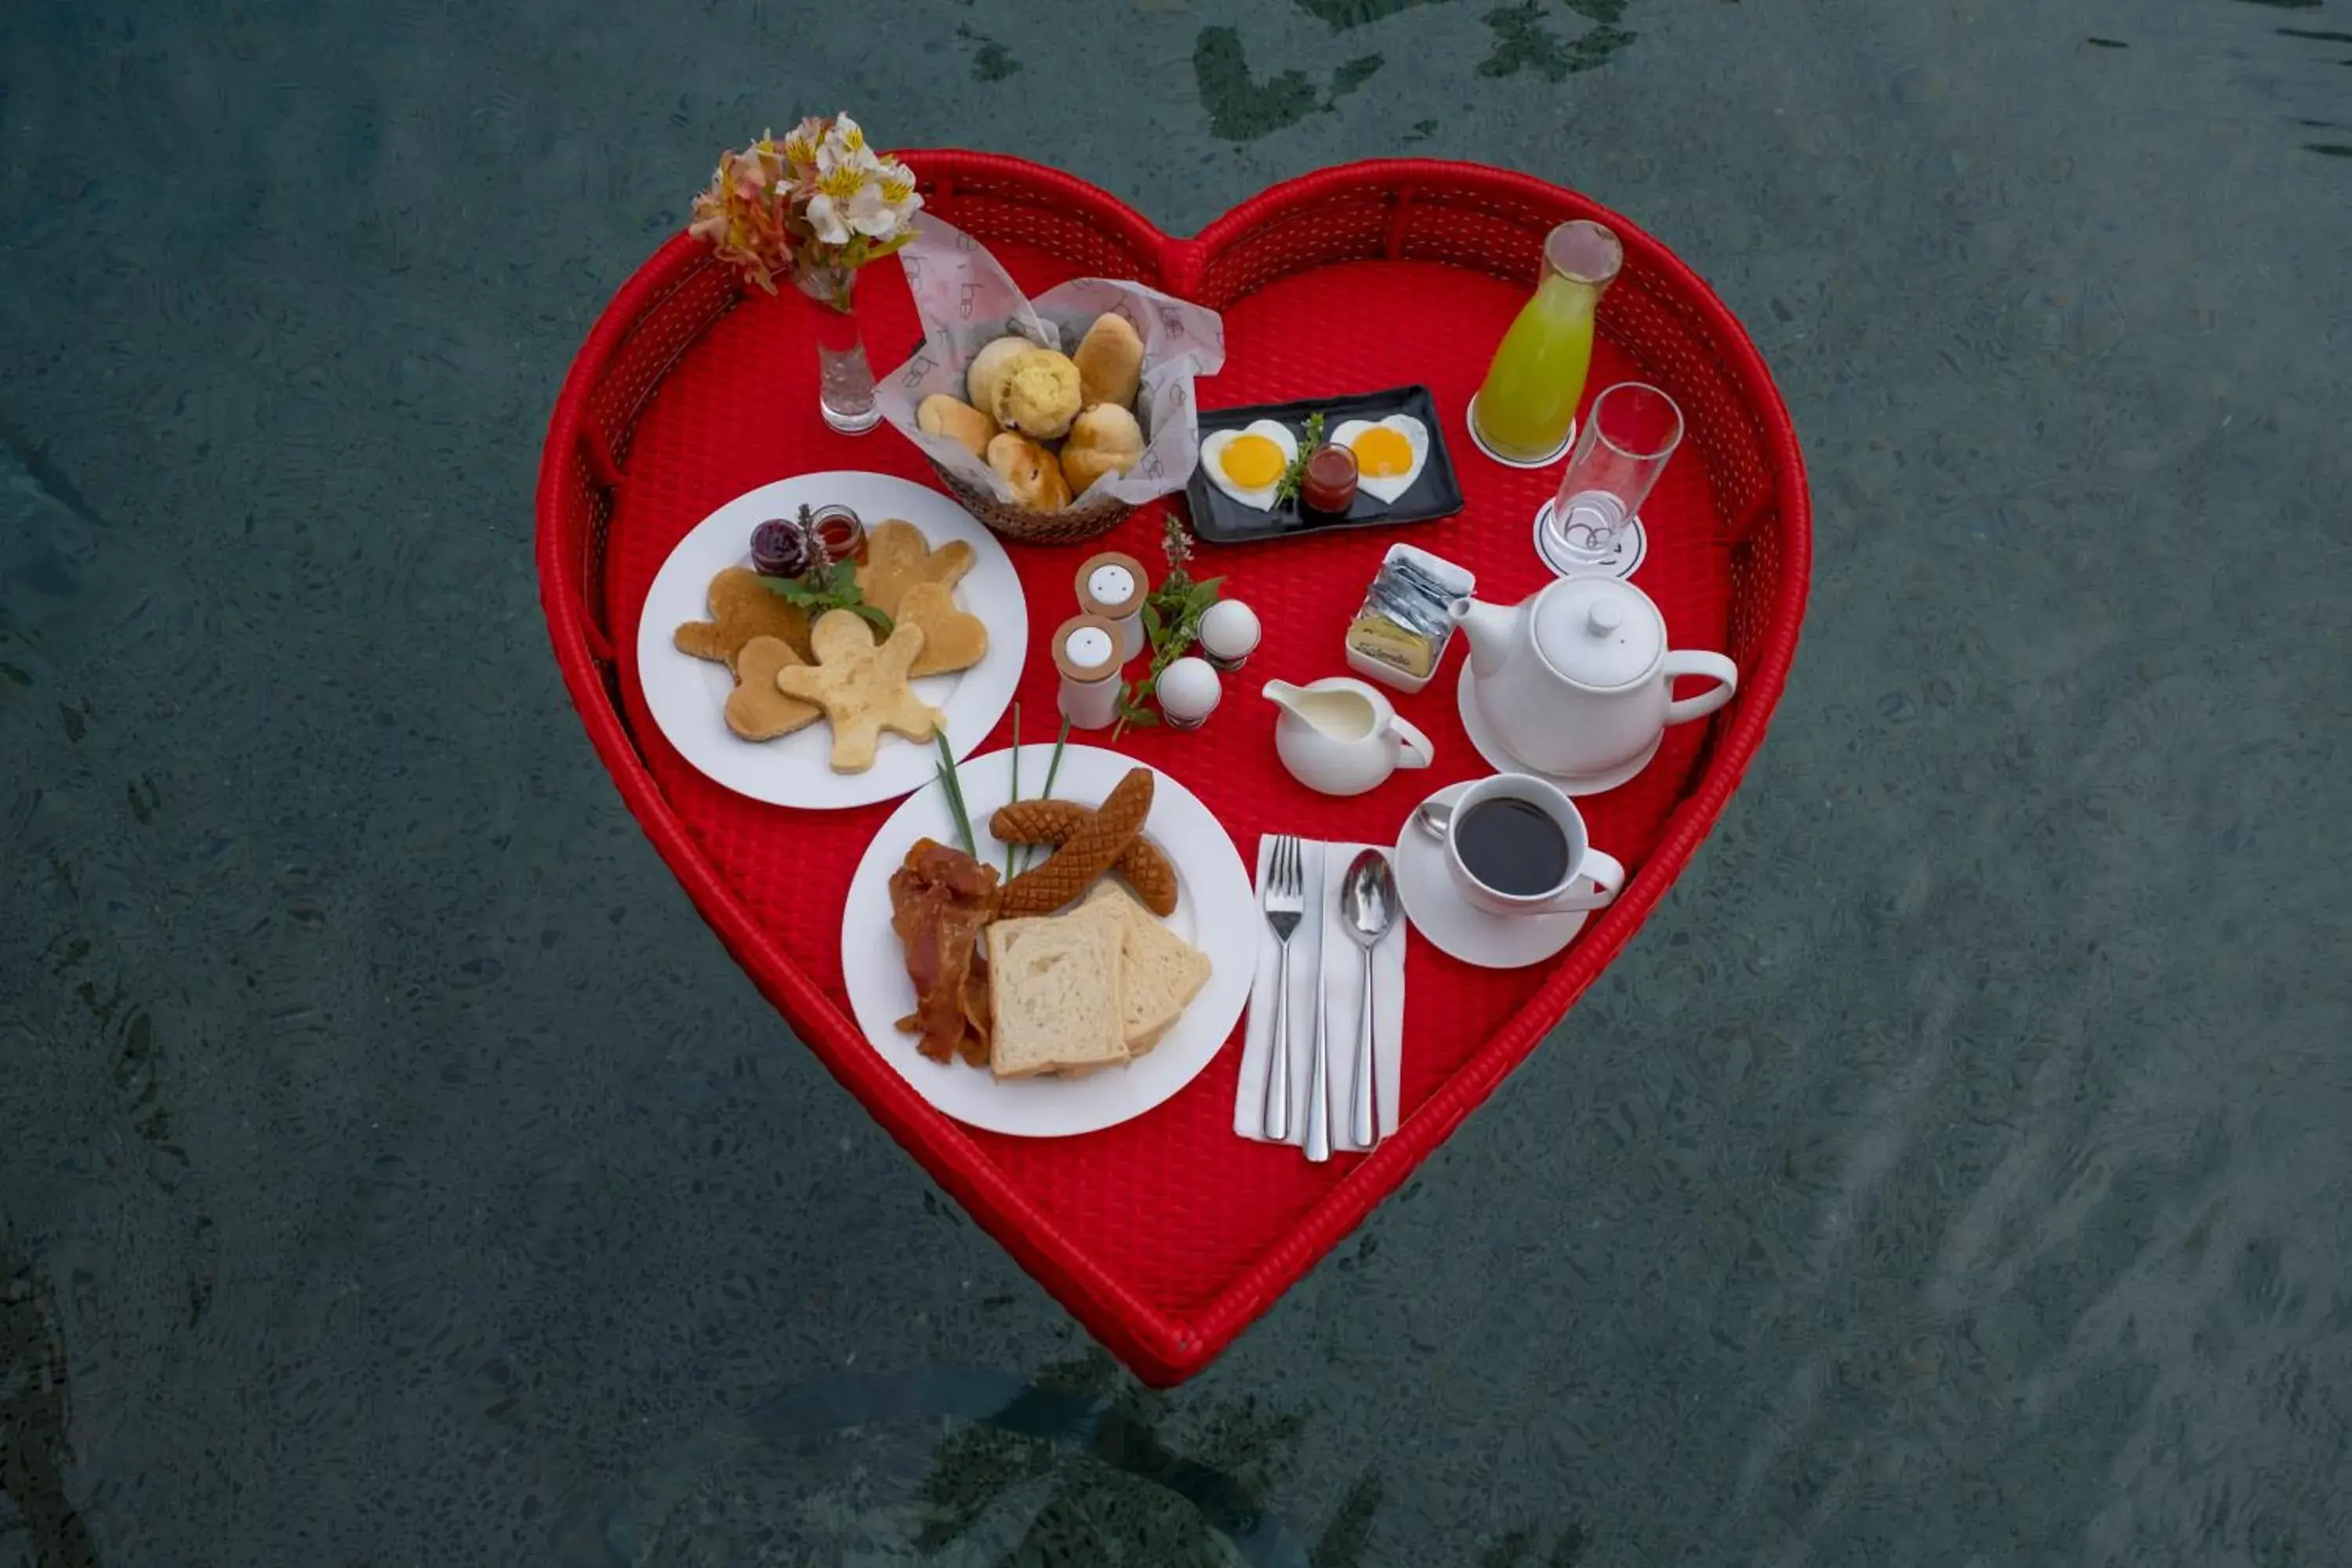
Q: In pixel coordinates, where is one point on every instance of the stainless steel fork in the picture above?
(1285, 897)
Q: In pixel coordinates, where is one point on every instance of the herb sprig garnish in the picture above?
(827, 585)
(1052, 768)
(952, 785)
(1295, 474)
(1171, 620)
(1016, 783)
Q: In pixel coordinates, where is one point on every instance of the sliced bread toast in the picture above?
(1054, 982)
(1159, 971)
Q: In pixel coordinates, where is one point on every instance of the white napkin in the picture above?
(1340, 982)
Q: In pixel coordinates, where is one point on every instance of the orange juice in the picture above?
(1527, 402)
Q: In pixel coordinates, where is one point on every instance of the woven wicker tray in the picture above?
(1168, 1235)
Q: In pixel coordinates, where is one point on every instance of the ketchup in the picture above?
(839, 530)
(1329, 484)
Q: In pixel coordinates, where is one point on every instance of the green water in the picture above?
(394, 1169)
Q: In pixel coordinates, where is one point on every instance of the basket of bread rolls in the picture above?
(1050, 426)
(1049, 420)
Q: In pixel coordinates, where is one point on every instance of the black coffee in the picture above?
(1513, 845)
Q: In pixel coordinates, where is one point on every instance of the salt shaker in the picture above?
(1229, 633)
(1086, 651)
(1111, 585)
(1188, 691)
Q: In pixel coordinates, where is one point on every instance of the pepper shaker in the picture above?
(1111, 585)
(1085, 652)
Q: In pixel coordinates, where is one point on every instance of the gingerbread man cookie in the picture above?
(755, 709)
(862, 687)
(952, 640)
(742, 608)
(898, 557)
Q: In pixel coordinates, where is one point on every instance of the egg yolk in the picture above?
(1252, 460)
(1382, 451)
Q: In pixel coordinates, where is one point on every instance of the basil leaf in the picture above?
(792, 591)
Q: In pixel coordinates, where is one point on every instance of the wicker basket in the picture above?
(1088, 517)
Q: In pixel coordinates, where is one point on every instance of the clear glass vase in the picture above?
(844, 380)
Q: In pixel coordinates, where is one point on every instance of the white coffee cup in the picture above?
(1442, 821)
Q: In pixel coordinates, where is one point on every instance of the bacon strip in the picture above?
(940, 900)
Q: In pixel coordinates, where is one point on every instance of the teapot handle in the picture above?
(1698, 661)
(1413, 750)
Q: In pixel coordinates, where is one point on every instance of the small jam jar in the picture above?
(1329, 485)
(841, 533)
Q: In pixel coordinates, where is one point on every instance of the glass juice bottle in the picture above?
(1525, 410)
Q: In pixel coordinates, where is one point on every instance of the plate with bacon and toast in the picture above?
(1086, 988)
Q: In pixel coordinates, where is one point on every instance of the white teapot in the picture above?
(1574, 680)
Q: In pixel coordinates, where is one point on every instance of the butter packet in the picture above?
(1400, 636)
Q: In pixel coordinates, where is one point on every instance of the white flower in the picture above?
(855, 191)
(824, 220)
(898, 187)
(844, 147)
(800, 147)
(847, 137)
(859, 193)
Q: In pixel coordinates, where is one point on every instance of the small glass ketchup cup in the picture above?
(1329, 484)
(841, 532)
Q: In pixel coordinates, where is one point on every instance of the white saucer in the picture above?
(1490, 746)
(1458, 929)
(1556, 454)
(1626, 552)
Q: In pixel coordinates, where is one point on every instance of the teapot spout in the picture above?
(1490, 628)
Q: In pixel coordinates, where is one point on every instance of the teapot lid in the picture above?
(1599, 632)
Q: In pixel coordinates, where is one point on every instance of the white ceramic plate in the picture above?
(688, 696)
(1216, 911)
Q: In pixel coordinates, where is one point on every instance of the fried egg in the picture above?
(1390, 455)
(1248, 464)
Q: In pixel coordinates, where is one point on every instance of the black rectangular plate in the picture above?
(1221, 519)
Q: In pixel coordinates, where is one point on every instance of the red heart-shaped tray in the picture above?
(1168, 1235)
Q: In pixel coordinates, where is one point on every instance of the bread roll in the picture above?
(987, 371)
(1104, 440)
(1039, 395)
(1031, 472)
(1110, 361)
(957, 420)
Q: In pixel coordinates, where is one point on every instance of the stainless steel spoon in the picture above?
(1368, 904)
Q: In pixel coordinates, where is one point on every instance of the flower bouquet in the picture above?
(814, 206)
